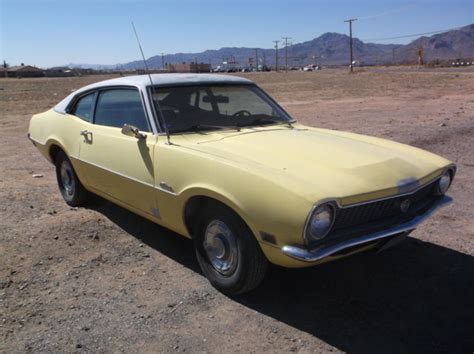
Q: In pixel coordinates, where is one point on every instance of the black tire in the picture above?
(69, 185)
(250, 266)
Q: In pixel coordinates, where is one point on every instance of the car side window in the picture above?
(116, 107)
(83, 107)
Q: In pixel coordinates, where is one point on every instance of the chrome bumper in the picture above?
(314, 255)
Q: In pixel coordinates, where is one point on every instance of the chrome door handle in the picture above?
(87, 136)
(85, 132)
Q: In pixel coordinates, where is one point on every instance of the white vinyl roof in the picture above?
(142, 81)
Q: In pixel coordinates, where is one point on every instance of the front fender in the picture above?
(264, 207)
(274, 222)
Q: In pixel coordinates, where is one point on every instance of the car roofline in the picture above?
(143, 81)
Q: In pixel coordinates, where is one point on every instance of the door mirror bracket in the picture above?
(131, 130)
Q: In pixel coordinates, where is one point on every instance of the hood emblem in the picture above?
(407, 185)
(405, 205)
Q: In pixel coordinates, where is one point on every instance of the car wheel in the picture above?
(70, 187)
(228, 252)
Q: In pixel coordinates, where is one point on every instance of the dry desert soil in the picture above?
(102, 279)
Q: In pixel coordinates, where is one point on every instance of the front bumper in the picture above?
(314, 255)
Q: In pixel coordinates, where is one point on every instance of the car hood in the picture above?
(319, 162)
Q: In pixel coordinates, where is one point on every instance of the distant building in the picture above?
(84, 71)
(189, 68)
(21, 71)
(59, 71)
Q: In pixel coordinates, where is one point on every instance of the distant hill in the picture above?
(333, 48)
(328, 49)
(447, 45)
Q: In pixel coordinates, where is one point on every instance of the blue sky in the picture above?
(52, 32)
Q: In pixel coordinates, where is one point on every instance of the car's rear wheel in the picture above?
(228, 253)
(70, 187)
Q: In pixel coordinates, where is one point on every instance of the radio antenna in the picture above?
(153, 92)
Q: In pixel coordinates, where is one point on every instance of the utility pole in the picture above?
(350, 36)
(286, 52)
(163, 61)
(256, 59)
(419, 53)
(276, 54)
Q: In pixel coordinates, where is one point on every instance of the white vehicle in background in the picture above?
(312, 67)
(354, 64)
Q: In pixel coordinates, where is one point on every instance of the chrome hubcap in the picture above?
(67, 179)
(221, 247)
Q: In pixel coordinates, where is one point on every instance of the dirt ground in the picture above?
(103, 279)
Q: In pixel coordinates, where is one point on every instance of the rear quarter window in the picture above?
(83, 107)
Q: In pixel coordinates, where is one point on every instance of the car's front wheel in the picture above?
(228, 253)
(69, 185)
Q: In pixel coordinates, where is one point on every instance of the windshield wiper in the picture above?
(204, 127)
(262, 121)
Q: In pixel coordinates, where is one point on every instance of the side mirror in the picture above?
(130, 130)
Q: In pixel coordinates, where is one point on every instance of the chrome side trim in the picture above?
(150, 118)
(314, 255)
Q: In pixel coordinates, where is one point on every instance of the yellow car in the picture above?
(215, 159)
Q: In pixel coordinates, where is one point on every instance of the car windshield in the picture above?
(212, 107)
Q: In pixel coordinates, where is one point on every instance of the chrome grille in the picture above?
(379, 210)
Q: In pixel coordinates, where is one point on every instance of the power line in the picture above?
(350, 41)
(411, 35)
(385, 13)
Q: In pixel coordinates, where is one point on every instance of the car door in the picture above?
(79, 119)
(115, 164)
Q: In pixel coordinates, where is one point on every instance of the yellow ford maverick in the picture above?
(215, 159)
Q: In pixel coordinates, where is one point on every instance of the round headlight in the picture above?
(320, 223)
(444, 183)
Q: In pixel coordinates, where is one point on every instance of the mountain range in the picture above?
(327, 49)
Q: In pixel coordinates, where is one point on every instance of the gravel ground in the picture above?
(103, 279)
